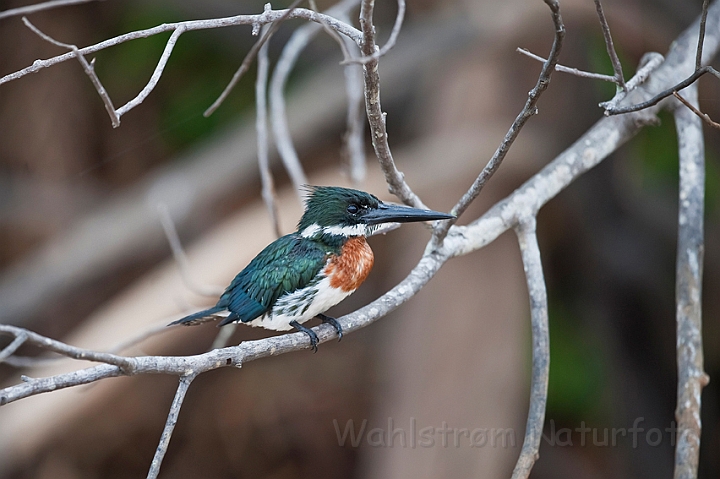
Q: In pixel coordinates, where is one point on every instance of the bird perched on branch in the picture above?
(303, 274)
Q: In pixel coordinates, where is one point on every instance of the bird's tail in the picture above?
(199, 317)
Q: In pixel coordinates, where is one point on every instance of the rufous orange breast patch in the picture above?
(351, 267)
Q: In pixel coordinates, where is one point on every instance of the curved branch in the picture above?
(233, 356)
(527, 240)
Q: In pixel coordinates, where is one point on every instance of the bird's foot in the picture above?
(334, 323)
(311, 334)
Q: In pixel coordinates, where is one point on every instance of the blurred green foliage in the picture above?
(655, 156)
(577, 369)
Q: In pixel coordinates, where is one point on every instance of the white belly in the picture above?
(301, 305)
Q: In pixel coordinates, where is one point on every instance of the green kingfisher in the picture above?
(303, 274)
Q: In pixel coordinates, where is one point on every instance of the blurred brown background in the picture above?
(83, 257)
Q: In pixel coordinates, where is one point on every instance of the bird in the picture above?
(301, 275)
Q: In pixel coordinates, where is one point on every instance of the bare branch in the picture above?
(564, 69)
(87, 67)
(157, 73)
(245, 65)
(66, 350)
(690, 252)
(648, 63)
(617, 68)
(532, 264)
(701, 35)
(376, 117)
(268, 187)
(528, 111)
(703, 116)
(38, 7)
(13, 346)
(391, 41)
(233, 356)
(663, 94)
(269, 16)
(172, 418)
(33, 387)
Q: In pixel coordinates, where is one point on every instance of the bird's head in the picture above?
(343, 212)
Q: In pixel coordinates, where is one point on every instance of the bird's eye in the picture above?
(353, 209)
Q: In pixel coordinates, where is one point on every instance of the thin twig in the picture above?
(572, 71)
(181, 258)
(648, 63)
(376, 118)
(665, 93)
(38, 7)
(527, 112)
(532, 264)
(703, 116)
(268, 187)
(172, 418)
(617, 68)
(688, 292)
(157, 73)
(394, 34)
(245, 65)
(701, 34)
(13, 346)
(87, 67)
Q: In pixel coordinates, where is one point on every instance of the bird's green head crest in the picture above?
(333, 206)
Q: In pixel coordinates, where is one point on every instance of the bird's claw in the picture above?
(311, 334)
(334, 323)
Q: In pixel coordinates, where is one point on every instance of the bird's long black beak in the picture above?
(386, 213)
